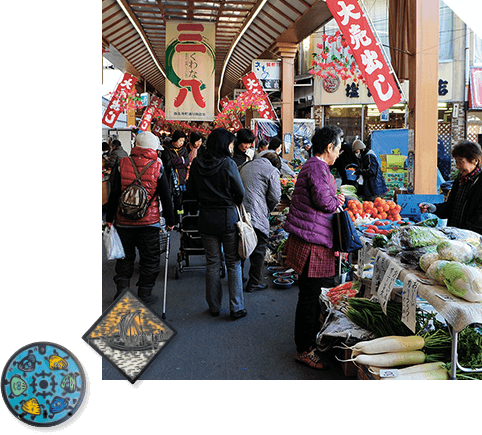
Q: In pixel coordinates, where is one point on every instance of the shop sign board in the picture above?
(122, 91)
(268, 72)
(190, 67)
(476, 88)
(149, 113)
(367, 52)
(253, 85)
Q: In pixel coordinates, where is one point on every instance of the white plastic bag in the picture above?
(112, 243)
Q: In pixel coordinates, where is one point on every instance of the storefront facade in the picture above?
(348, 104)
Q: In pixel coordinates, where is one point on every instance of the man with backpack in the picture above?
(139, 182)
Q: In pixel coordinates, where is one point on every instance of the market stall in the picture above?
(397, 294)
(391, 284)
(458, 313)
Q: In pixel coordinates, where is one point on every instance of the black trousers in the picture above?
(308, 309)
(147, 242)
(256, 259)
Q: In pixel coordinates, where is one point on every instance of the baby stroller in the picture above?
(190, 242)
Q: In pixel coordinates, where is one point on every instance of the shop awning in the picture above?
(134, 33)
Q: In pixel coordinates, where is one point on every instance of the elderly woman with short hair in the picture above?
(309, 247)
(463, 208)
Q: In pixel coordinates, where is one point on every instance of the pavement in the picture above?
(258, 346)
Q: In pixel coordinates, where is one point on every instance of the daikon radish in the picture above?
(430, 375)
(411, 369)
(390, 359)
(391, 343)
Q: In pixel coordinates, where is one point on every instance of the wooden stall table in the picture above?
(458, 313)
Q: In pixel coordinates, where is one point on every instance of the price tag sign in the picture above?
(409, 301)
(389, 373)
(379, 269)
(386, 286)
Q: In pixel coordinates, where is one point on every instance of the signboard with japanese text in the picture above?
(149, 113)
(252, 85)
(367, 52)
(114, 109)
(476, 88)
(268, 72)
(235, 122)
(190, 66)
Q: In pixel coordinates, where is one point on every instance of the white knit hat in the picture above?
(146, 139)
(358, 145)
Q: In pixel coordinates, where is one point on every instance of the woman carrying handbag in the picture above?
(309, 247)
(214, 181)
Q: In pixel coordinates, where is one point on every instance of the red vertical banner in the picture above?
(149, 113)
(366, 50)
(235, 122)
(253, 85)
(114, 109)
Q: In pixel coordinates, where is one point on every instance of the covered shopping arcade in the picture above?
(134, 40)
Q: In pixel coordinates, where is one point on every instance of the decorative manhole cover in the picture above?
(129, 335)
(43, 384)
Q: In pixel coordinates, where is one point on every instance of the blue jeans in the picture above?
(213, 251)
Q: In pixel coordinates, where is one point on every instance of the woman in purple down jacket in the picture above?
(309, 247)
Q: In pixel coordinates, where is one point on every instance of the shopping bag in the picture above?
(247, 236)
(345, 237)
(112, 243)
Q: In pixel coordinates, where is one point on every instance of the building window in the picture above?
(348, 118)
(446, 29)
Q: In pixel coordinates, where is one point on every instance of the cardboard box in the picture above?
(393, 163)
(395, 180)
(364, 375)
(409, 203)
(349, 369)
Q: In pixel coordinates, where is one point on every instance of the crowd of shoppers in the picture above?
(221, 174)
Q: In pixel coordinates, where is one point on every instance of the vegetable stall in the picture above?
(414, 282)
(413, 271)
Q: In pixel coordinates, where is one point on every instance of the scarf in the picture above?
(469, 177)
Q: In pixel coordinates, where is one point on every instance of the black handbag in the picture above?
(345, 237)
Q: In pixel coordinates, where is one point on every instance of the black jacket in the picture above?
(239, 157)
(472, 209)
(217, 185)
(373, 181)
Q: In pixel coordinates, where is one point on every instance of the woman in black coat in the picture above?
(214, 181)
(463, 208)
(373, 182)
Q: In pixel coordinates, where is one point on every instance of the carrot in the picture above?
(390, 343)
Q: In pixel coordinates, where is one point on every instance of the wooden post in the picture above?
(287, 52)
(423, 93)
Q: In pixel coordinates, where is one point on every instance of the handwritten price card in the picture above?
(386, 286)
(409, 301)
(379, 268)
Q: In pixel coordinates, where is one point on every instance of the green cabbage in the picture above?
(427, 259)
(463, 281)
(455, 250)
(435, 271)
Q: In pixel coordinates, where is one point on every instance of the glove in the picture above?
(430, 207)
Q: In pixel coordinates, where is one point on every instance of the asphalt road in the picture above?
(258, 346)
